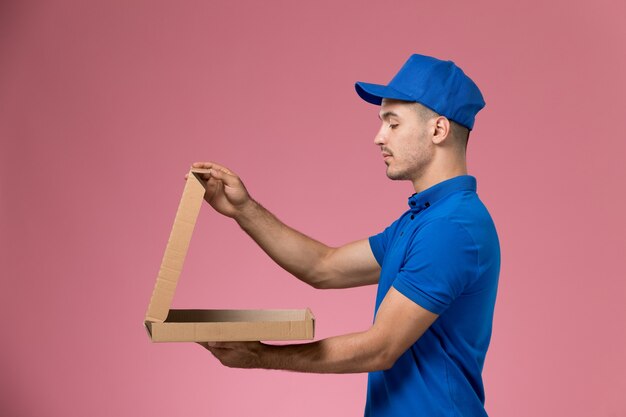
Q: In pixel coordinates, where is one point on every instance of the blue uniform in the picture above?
(443, 254)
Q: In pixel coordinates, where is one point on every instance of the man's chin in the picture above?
(392, 175)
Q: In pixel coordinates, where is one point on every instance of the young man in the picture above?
(436, 267)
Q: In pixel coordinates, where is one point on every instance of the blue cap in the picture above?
(439, 85)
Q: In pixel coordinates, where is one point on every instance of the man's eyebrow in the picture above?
(387, 115)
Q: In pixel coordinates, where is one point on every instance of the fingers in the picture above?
(228, 178)
(218, 172)
(224, 345)
(236, 354)
(201, 165)
(218, 345)
(211, 165)
(210, 346)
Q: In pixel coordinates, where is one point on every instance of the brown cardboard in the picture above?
(166, 325)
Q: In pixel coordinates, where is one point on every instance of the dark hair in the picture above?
(460, 132)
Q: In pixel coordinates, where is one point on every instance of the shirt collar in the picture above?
(430, 196)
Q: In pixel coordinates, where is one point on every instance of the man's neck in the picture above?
(435, 176)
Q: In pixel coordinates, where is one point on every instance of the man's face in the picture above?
(405, 145)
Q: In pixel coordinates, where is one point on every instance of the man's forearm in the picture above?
(351, 353)
(292, 250)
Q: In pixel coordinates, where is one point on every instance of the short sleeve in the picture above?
(441, 262)
(380, 242)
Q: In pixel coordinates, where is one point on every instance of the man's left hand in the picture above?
(236, 354)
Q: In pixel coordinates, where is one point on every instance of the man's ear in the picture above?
(442, 130)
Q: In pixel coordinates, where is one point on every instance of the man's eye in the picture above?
(393, 125)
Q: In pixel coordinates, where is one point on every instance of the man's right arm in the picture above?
(311, 261)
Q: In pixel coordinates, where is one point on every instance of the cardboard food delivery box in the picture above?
(167, 325)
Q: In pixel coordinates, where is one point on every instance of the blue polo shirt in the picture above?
(443, 254)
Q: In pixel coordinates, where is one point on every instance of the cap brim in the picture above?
(375, 93)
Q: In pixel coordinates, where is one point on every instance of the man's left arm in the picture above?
(399, 323)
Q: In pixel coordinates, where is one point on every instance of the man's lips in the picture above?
(386, 155)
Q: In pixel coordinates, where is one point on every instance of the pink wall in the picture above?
(104, 106)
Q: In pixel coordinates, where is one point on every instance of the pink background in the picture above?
(104, 105)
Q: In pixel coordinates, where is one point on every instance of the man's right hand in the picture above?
(224, 190)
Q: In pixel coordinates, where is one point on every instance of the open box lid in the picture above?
(176, 249)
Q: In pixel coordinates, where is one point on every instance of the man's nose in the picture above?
(380, 137)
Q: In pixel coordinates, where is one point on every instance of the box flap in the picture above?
(176, 249)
